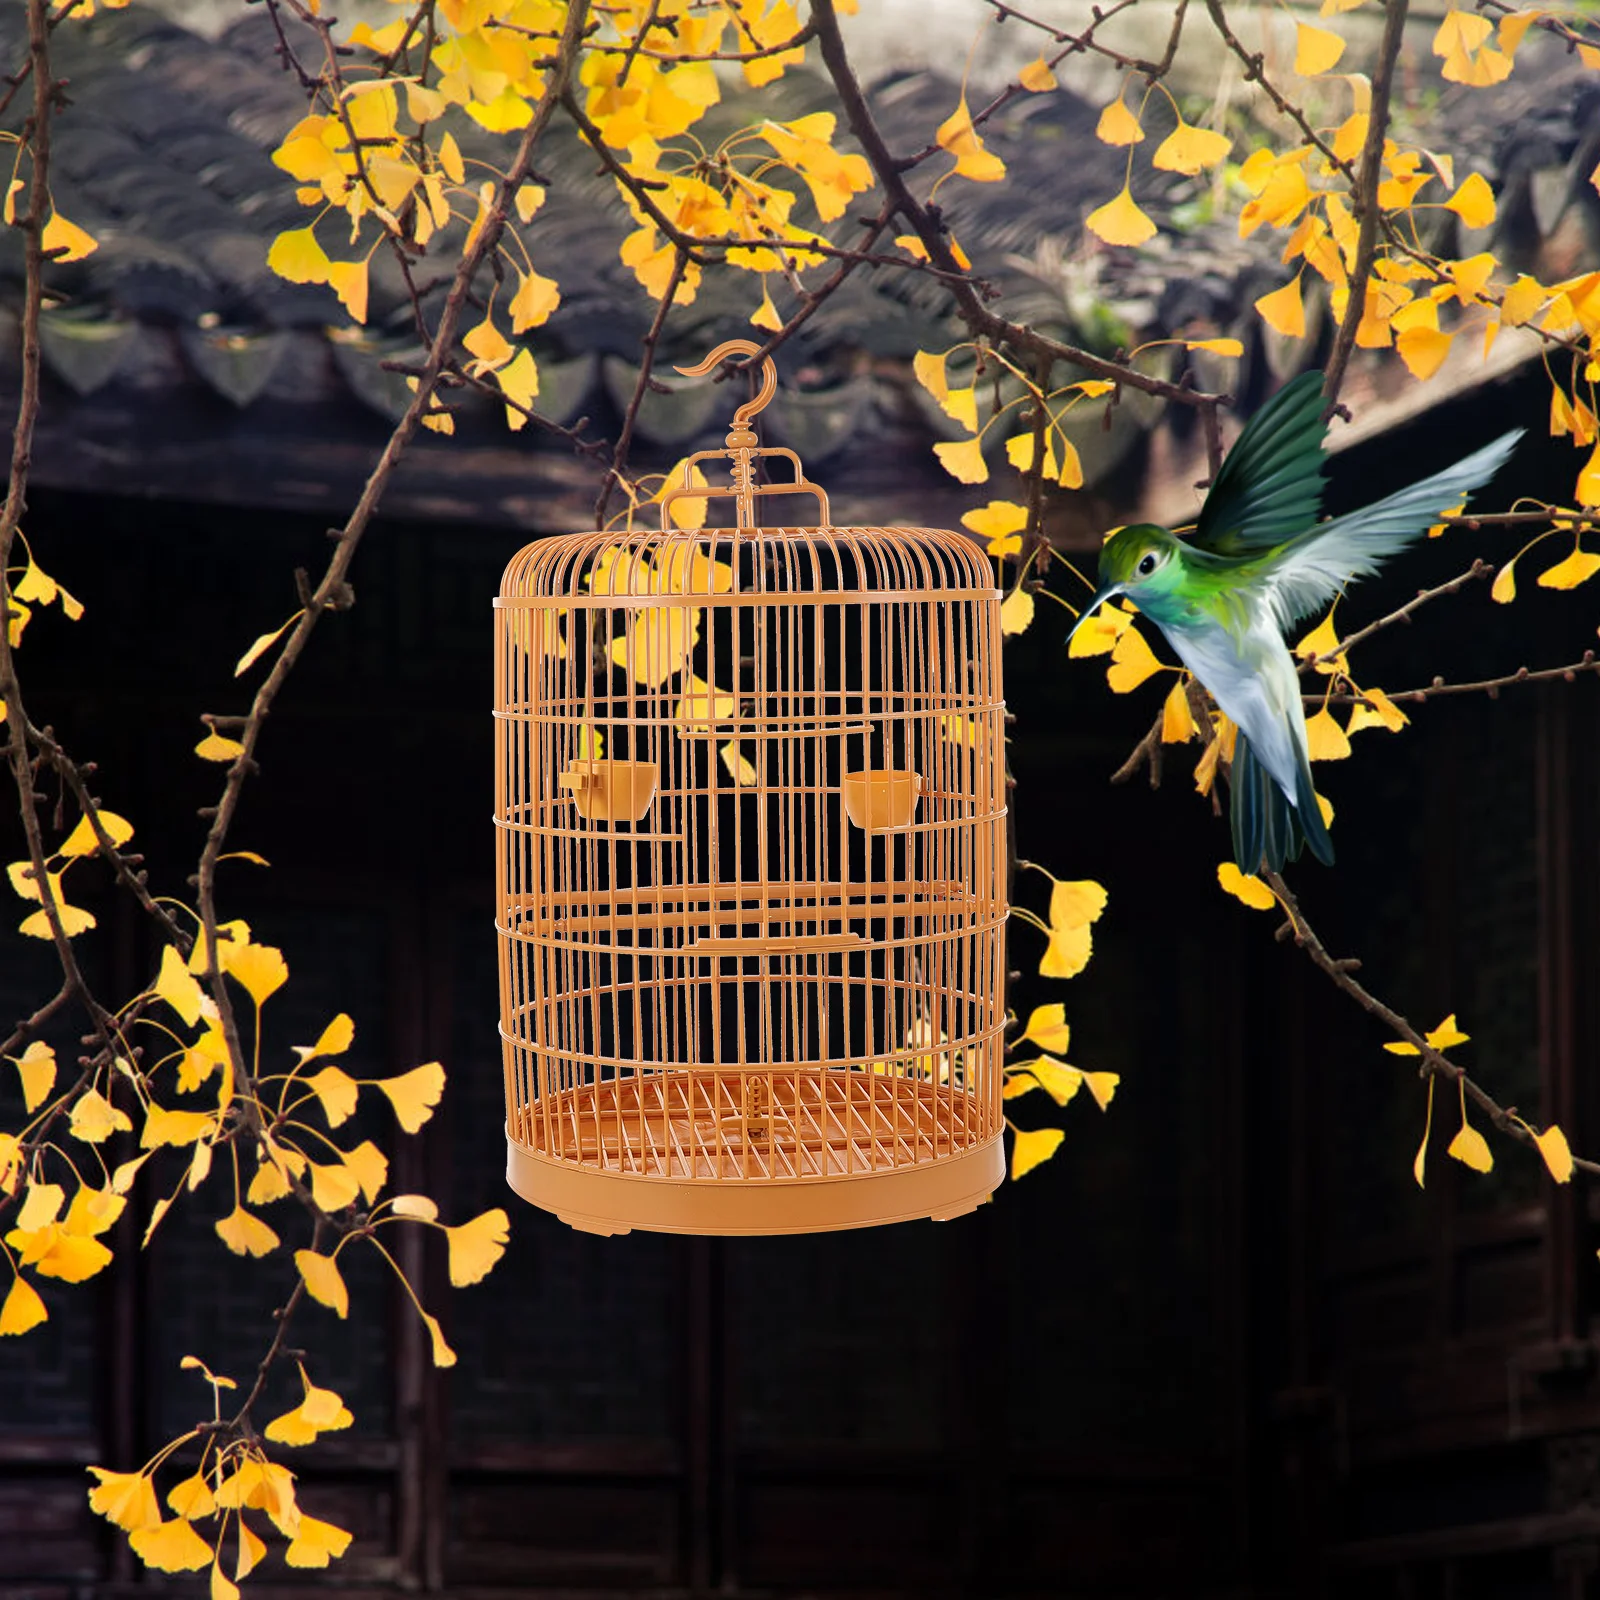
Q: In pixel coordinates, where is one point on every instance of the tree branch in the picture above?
(1364, 198)
(1435, 1063)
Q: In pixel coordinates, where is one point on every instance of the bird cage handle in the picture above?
(743, 446)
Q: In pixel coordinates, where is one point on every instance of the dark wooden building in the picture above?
(1221, 1346)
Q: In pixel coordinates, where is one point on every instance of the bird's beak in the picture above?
(1106, 592)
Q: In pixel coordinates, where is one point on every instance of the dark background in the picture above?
(1221, 1345)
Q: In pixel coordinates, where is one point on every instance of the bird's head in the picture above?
(1139, 561)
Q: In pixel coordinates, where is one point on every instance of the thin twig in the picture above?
(1570, 673)
(1434, 1062)
(619, 456)
(980, 320)
(1364, 198)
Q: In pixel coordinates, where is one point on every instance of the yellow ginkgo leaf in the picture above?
(1217, 347)
(36, 1066)
(246, 1234)
(1019, 452)
(177, 986)
(963, 460)
(1000, 522)
(93, 1211)
(315, 1543)
(414, 1094)
(1284, 311)
(82, 841)
(320, 1411)
(333, 1185)
(214, 747)
(1132, 661)
(251, 1550)
(1047, 1028)
(270, 1183)
(1576, 568)
(1325, 739)
(1323, 643)
(1075, 903)
(67, 237)
(1471, 1149)
(94, 1119)
(1098, 636)
(1316, 50)
(349, 280)
(23, 1309)
(323, 1281)
(1067, 953)
(1473, 202)
(177, 1128)
(1379, 712)
(1120, 221)
(1032, 1146)
(1190, 150)
(171, 1546)
(1588, 486)
(1504, 588)
(370, 1167)
(334, 1040)
(414, 1205)
(1103, 1086)
(1118, 125)
(192, 1498)
(40, 1207)
(1513, 26)
(1177, 720)
(765, 316)
(957, 135)
(475, 1246)
(1557, 1153)
(263, 644)
(928, 369)
(1243, 886)
(1016, 612)
(1445, 1037)
(443, 1355)
(222, 1586)
(74, 920)
(1419, 1164)
(258, 968)
(1070, 475)
(1423, 350)
(127, 1499)
(535, 301)
(1037, 77)
(297, 256)
(1056, 1078)
(336, 1091)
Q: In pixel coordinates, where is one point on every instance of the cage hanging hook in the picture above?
(740, 434)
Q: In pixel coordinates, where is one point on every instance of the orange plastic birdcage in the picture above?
(751, 808)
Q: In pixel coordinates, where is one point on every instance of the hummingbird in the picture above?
(1256, 562)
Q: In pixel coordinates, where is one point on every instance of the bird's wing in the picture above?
(1253, 679)
(1270, 486)
(1309, 570)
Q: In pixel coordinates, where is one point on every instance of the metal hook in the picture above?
(769, 387)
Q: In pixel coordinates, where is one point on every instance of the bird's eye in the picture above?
(1148, 565)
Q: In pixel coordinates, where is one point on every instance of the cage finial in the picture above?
(742, 448)
(742, 440)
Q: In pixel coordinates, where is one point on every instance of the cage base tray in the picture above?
(893, 1154)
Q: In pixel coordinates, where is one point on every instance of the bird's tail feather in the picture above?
(1267, 827)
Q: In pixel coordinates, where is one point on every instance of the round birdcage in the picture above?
(750, 805)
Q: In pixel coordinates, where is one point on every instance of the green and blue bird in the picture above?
(1257, 561)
